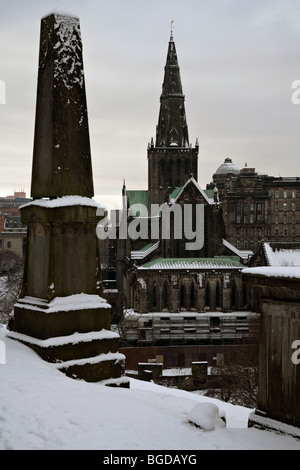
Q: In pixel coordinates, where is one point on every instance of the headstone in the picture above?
(61, 313)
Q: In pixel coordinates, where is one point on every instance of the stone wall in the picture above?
(279, 373)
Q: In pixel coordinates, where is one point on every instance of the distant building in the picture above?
(257, 207)
(13, 233)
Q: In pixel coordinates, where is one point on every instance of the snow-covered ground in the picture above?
(41, 408)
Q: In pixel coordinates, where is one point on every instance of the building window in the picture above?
(293, 194)
(285, 207)
(8, 244)
(245, 244)
(276, 231)
(293, 232)
(238, 219)
(285, 232)
(251, 218)
(276, 193)
(293, 206)
(276, 206)
(285, 194)
(238, 244)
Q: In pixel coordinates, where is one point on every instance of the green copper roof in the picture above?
(175, 192)
(209, 193)
(138, 196)
(221, 262)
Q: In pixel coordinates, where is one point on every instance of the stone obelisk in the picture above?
(61, 313)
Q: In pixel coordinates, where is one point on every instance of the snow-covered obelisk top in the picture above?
(61, 156)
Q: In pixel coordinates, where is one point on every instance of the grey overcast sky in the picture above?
(238, 60)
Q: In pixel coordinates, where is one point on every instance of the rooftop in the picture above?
(221, 262)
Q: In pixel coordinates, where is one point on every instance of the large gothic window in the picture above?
(162, 174)
(155, 298)
(170, 173)
(178, 172)
(165, 297)
(218, 296)
(207, 296)
(193, 296)
(182, 296)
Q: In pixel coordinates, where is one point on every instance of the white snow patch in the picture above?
(62, 340)
(63, 304)
(65, 201)
(206, 416)
(274, 271)
(282, 256)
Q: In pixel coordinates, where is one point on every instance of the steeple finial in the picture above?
(171, 37)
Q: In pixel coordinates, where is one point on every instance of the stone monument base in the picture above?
(75, 336)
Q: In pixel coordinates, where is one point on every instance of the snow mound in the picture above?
(207, 416)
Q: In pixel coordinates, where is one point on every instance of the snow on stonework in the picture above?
(282, 256)
(66, 201)
(68, 66)
(274, 271)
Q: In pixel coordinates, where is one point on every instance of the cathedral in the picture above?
(174, 257)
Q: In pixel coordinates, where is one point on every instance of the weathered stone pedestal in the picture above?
(279, 368)
(61, 313)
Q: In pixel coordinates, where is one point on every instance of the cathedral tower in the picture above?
(172, 159)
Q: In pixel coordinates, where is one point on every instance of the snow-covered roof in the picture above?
(275, 271)
(227, 167)
(282, 256)
(145, 251)
(222, 262)
(244, 254)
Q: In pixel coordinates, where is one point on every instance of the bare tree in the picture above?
(11, 268)
(236, 381)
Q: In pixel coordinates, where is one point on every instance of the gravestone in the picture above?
(61, 313)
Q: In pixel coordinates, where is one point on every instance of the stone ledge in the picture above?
(260, 420)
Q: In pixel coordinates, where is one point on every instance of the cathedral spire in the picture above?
(172, 127)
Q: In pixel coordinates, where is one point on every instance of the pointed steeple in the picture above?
(172, 159)
(172, 127)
